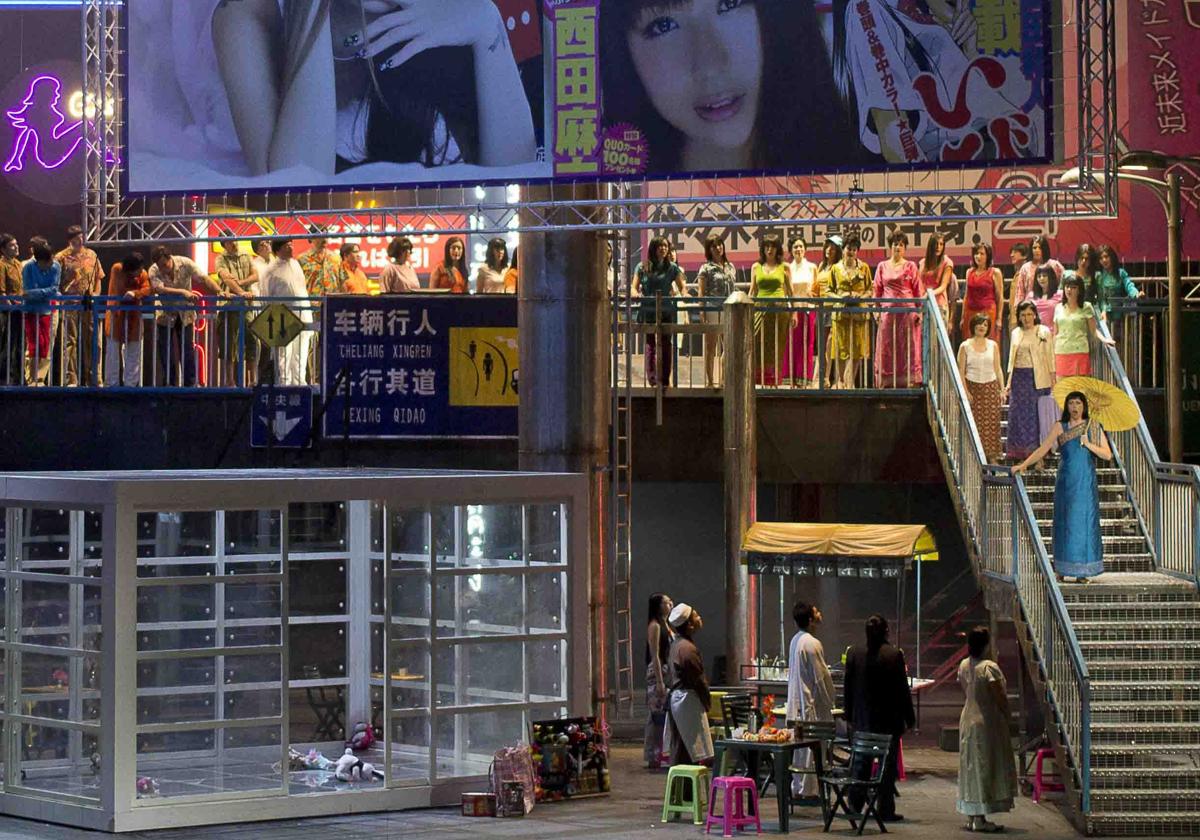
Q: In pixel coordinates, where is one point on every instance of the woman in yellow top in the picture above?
(831, 255)
(770, 278)
(851, 340)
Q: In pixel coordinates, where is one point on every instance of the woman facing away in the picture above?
(426, 81)
(1078, 549)
(898, 346)
(659, 636)
(987, 773)
(1030, 378)
(979, 366)
(720, 85)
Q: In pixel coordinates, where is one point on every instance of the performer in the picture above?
(987, 773)
(898, 346)
(810, 688)
(399, 277)
(804, 335)
(851, 335)
(659, 636)
(771, 280)
(129, 283)
(688, 738)
(489, 279)
(451, 272)
(353, 280)
(82, 276)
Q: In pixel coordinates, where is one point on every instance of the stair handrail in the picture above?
(1015, 554)
(1165, 496)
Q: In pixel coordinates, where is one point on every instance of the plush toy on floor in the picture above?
(361, 738)
(351, 768)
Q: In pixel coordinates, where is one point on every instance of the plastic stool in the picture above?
(734, 814)
(1040, 783)
(686, 786)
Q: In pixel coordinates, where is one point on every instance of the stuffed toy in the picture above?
(351, 768)
(361, 738)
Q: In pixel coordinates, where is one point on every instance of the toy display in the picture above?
(571, 758)
(361, 738)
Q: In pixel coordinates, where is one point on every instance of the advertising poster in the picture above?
(420, 366)
(333, 94)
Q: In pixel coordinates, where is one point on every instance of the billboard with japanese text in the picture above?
(420, 366)
(501, 91)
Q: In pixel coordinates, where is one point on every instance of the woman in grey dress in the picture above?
(987, 775)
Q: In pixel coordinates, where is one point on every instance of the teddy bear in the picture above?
(351, 768)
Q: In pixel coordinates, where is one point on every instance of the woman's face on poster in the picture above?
(701, 63)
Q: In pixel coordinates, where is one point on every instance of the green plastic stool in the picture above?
(678, 800)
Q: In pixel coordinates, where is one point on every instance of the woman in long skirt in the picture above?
(804, 334)
(770, 279)
(898, 346)
(979, 366)
(1077, 546)
(1030, 378)
(658, 650)
(987, 774)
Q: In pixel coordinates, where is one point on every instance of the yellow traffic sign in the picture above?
(277, 326)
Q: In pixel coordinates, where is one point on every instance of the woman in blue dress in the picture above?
(1078, 548)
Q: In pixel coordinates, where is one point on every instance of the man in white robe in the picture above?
(810, 688)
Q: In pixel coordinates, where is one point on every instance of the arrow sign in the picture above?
(282, 417)
(276, 326)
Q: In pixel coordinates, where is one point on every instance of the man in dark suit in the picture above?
(878, 700)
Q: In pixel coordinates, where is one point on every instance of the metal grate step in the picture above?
(1114, 689)
(1122, 735)
(1134, 612)
(1156, 778)
(1142, 631)
(1157, 652)
(1126, 712)
(1108, 670)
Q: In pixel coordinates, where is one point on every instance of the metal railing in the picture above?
(1165, 496)
(800, 344)
(1005, 542)
(160, 342)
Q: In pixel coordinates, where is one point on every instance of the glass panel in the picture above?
(376, 587)
(466, 741)
(317, 587)
(488, 604)
(316, 526)
(176, 534)
(410, 750)
(253, 600)
(253, 704)
(44, 612)
(546, 600)
(317, 715)
(44, 542)
(442, 522)
(317, 651)
(252, 532)
(410, 607)
(174, 568)
(546, 667)
(93, 536)
(479, 674)
(252, 669)
(186, 764)
(410, 539)
(545, 538)
(253, 636)
(492, 535)
(177, 639)
(164, 744)
(46, 765)
(410, 677)
(176, 673)
(44, 673)
(158, 604)
(176, 707)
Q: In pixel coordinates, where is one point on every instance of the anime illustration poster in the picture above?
(734, 86)
(270, 94)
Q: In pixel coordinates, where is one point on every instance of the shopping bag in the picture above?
(512, 766)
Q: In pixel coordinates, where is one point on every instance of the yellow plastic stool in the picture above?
(677, 799)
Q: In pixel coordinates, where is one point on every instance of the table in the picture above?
(781, 759)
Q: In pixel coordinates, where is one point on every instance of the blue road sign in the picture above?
(282, 417)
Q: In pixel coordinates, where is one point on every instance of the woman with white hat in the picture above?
(688, 739)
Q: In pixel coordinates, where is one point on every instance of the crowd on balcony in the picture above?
(870, 320)
(59, 309)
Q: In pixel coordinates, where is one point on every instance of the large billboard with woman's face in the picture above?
(258, 94)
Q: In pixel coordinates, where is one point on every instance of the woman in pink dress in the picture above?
(804, 334)
(898, 346)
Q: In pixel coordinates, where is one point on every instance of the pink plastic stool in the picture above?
(1040, 783)
(734, 814)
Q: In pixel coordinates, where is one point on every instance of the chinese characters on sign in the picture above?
(420, 366)
(577, 90)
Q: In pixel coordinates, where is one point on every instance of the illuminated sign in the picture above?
(42, 133)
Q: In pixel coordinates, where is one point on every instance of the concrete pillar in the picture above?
(564, 389)
(741, 476)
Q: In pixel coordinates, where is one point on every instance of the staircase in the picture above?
(1117, 659)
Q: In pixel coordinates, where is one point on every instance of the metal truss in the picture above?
(845, 198)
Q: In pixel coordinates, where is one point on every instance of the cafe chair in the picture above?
(867, 749)
(824, 732)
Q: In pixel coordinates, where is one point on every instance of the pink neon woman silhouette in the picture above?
(42, 130)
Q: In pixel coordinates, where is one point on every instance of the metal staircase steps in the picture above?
(1134, 712)
(1146, 734)
(1142, 631)
(1149, 652)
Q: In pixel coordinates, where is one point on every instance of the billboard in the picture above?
(357, 93)
(311, 93)
(420, 366)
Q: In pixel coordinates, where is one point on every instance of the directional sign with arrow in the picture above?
(277, 326)
(282, 417)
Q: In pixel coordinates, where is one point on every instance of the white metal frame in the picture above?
(369, 495)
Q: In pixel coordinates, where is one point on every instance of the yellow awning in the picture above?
(814, 539)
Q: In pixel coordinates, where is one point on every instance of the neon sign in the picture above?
(43, 134)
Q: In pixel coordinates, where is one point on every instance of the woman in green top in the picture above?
(656, 281)
(770, 278)
(1074, 319)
